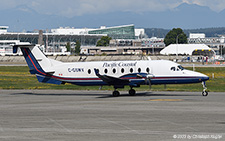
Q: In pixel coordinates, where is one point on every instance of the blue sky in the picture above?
(70, 8)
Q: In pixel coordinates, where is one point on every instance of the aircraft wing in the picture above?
(117, 82)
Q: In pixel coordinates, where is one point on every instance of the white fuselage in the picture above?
(161, 72)
(116, 73)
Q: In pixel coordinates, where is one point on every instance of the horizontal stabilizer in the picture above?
(49, 70)
(21, 44)
(46, 79)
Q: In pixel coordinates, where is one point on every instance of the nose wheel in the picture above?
(204, 92)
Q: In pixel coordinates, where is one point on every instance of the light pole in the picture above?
(221, 52)
(177, 44)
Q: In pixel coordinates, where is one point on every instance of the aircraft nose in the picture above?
(201, 77)
(204, 77)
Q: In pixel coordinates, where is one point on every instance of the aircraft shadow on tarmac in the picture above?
(150, 94)
(106, 95)
(54, 94)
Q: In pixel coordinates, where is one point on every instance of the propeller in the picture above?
(148, 80)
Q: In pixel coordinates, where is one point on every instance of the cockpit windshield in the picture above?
(180, 67)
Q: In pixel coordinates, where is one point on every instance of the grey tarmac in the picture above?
(67, 115)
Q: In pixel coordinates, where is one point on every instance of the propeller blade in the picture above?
(150, 84)
(148, 81)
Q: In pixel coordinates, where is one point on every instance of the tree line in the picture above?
(209, 32)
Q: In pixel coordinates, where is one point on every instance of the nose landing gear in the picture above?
(204, 92)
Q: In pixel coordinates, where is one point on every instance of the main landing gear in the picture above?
(132, 92)
(116, 93)
(204, 92)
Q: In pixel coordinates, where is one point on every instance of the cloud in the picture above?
(70, 8)
(5, 4)
(99, 6)
(35, 4)
(215, 5)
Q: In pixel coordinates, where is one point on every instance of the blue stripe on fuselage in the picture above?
(179, 80)
(143, 82)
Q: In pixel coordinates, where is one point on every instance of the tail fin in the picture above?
(32, 61)
(38, 63)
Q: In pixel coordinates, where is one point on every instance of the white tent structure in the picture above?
(188, 49)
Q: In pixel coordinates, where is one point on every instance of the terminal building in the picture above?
(55, 40)
(52, 41)
(126, 39)
(3, 29)
(117, 32)
(50, 37)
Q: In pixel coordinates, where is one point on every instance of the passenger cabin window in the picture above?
(139, 70)
(131, 70)
(122, 70)
(106, 71)
(89, 71)
(114, 70)
(147, 70)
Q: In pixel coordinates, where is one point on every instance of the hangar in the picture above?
(188, 49)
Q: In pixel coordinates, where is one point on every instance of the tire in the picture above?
(204, 93)
(115, 93)
(132, 92)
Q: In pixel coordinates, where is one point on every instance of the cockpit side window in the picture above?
(178, 68)
(173, 68)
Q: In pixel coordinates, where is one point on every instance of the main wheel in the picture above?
(132, 92)
(116, 93)
(204, 93)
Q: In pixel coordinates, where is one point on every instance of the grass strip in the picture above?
(18, 77)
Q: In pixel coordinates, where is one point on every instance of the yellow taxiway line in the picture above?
(166, 100)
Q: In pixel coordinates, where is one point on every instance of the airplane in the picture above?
(113, 73)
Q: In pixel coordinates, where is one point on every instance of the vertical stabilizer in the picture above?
(38, 63)
(36, 60)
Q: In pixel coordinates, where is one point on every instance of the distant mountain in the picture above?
(24, 18)
(185, 16)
